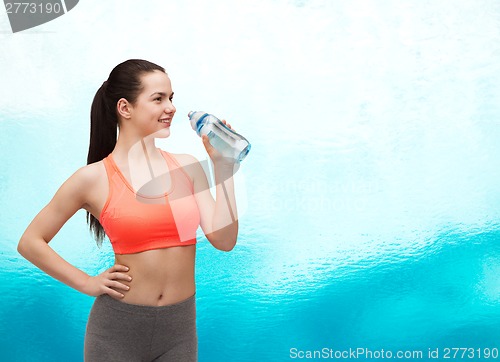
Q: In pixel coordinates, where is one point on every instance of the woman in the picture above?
(149, 202)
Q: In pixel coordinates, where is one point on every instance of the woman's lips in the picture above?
(165, 121)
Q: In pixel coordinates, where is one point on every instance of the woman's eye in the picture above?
(159, 99)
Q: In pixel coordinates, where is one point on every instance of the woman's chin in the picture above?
(162, 133)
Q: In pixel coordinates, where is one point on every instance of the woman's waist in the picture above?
(159, 261)
(159, 277)
(158, 294)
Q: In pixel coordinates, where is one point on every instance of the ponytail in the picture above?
(103, 133)
(103, 127)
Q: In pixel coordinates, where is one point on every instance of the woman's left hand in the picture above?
(215, 155)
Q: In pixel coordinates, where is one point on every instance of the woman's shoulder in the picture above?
(91, 173)
(189, 163)
(184, 159)
(79, 185)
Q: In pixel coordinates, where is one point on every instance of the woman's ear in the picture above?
(123, 107)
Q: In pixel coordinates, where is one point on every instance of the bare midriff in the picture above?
(159, 277)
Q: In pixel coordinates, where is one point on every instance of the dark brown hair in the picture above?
(124, 81)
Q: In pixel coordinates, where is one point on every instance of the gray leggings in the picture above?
(122, 332)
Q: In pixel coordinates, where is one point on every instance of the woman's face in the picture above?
(153, 110)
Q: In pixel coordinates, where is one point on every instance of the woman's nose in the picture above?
(170, 108)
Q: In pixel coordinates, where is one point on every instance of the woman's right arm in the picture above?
(34, 243)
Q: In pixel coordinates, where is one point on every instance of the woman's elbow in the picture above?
(224, 239)
(228, 246)
(23, 248)
(222, 244)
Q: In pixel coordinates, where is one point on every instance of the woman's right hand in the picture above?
(107, 282)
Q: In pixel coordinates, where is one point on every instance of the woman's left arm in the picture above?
(219, 217)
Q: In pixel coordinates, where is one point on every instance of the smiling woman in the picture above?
(153, 106)
(149, 203)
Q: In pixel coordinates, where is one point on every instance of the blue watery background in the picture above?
(369, 203)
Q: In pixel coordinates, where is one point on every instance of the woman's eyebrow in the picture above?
(163, 94)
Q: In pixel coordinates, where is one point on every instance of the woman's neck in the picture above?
(135, 149)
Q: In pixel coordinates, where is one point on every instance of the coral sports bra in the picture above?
(136, 222)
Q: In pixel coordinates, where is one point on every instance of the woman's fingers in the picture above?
(115, 273)
(114, 293)
(111, 287)
(207, 144)
(228, 125)
(115, 284)
(205, 140)
(118, 267)
(104, 282)
(120, 276)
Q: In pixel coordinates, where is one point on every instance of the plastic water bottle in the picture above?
(229, 143)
